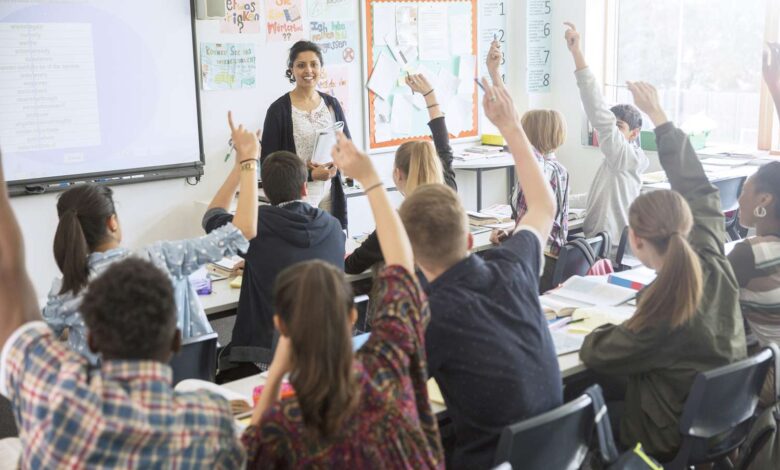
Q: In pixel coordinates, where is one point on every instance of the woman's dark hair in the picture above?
(314, 301)
(83, 212)
(767, 180)
(297, 48)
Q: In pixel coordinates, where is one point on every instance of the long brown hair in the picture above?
(420, 163)
(314, 301)
(83, 212)
(663, 219)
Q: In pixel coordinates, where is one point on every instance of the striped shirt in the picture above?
(124, 415)
(756, 263)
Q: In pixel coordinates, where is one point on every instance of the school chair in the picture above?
(196, 360)
(559, 438)
(578, 256)
(718, 412)
(729, 203)
(623, 249)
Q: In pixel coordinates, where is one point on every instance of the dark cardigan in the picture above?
(369, 252)
(278, 135)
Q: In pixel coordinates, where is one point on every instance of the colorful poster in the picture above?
(331, 9)
(335, 82)
(227, 66)
(338, 40)
(241, 17)
(285, 23)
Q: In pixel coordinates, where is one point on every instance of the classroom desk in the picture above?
(481, 165)
(720, 173)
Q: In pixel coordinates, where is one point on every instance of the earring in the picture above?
(759, 212)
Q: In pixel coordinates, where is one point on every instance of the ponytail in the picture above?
(663, 219)
(83, 212)
(419, 161)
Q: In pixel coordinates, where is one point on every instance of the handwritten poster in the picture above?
(539, 45)
(335, 82)
(227, 66)
(331, 9)
(338, 40)
(241, 17)
(285, 23)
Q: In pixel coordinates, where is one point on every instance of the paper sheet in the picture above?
(384, 75)
(460, 35)
(383, 27)
(466, 73)
(446, 88)
(459, 115)
(433, 31)
(401, 116)
(417, 100)
(406, 25)
(381, 110)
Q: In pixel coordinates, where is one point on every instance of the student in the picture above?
(289, 230)
(415, 164)
(292, 122)
(367, 409)
(123, 415)
(618, 180)
(546, 131)
(676, 331)
(89, 235)
(488, 344)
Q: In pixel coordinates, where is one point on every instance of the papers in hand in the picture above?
(326, 139)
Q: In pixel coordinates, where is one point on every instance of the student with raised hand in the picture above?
(367, 409)
(124, 414)
(546, 131)
(676, 331)
(488, 344)
(416, 163)
(618, 180)
(88, 240)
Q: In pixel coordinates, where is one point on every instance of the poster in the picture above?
(241, 17)
(539, 46)
(335, 82)
(227, 66)
(331, 9)
(337, 39)
(285, 23)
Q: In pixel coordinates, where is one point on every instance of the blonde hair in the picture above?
(545, 128)
(420, 163)
(437, 225)
(663, 219)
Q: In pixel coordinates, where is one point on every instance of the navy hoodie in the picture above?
(285, 235)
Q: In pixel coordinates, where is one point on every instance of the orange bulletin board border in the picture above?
(368, 52)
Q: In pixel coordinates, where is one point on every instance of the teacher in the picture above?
(292, 122)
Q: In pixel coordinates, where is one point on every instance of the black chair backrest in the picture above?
(717, 412)
(729, 192)
(623, 247)
(575, 259)
(196, 360)
(557, 439)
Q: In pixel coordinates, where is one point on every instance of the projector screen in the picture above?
(98, 88)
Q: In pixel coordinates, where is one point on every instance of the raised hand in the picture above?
(419, 84)
(646, 99)
(572, 37)
(494, 57)
(771, 67)
(245, 141)
(499, 108)
(352, 161)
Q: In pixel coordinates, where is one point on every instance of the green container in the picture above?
(647, 140)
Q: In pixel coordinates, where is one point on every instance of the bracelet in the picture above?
(247, 160)
(433, 105)
(247, 165)
(429, 92)
(373, 186)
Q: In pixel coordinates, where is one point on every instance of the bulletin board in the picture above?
(435, 37)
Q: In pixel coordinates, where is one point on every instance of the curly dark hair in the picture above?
(628, 114)
(768, 181)
(297, 48)
(130, 311)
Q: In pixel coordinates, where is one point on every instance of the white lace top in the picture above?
(305, 127)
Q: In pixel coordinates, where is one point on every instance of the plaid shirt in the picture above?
(558, 177)
(124, 415)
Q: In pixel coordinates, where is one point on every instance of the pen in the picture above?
(227, 156)
(480, 84)
(576, 321)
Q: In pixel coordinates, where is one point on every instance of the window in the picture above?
(704, 57)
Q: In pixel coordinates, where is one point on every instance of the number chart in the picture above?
(539, 45)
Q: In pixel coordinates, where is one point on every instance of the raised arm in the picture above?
(393, 240)
(493, 62)
(771, 69)
(538, 194)
(441, 138)
(18, 304)
(684, 170)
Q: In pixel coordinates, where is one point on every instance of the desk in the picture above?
(505, 161)
(739, 170)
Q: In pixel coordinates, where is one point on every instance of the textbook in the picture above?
(636, 279)
(238, 403)
(226, 266)
(579, 291)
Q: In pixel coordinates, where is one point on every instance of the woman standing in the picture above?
(292, 122)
